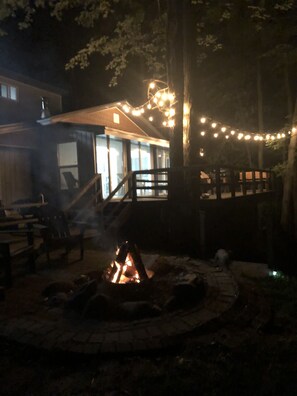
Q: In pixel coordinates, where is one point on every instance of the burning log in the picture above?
(135, 254)
(127, 266)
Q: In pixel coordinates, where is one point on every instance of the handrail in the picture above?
(83, 191)
(106, 201)
(222, 182)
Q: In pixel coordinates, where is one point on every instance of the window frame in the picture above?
(8, 92)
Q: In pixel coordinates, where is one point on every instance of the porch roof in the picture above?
(125, 126)
(18, 135)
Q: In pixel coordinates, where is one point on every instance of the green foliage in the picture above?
(128, 41)
(134, 30)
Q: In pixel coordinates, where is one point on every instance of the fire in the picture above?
(125, 273)
(127, 266)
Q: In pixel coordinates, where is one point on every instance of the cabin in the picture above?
(104, 156)
(22, 101)
(101, 140)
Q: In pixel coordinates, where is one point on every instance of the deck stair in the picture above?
(101, 217)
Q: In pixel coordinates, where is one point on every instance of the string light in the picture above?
(241, 135)
(158, 97)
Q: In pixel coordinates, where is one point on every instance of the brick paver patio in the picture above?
(24, 318)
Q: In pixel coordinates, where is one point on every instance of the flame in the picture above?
(127, 271)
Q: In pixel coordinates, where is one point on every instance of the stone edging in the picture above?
(91, 337)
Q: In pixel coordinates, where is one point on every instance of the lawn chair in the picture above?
(55, 232)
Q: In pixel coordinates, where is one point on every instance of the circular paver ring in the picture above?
(94, 337)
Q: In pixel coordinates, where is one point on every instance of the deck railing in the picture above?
(204, 182)
(199, 182)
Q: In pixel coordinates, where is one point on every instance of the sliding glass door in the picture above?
(110, 163)
(141, 160)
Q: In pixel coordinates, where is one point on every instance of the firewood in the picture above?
(137, 261)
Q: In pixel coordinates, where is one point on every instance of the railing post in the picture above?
(271, 181)
(98, 189)
(244, 189)
(198, 191)
(254, 189)
(232, 183)
(218, 183)
(261, 181)
(134, 187)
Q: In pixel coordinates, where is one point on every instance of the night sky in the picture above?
(42, 51)
(225, 82)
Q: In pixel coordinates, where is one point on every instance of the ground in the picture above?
(250, 350)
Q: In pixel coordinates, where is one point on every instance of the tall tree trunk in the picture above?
(175, 77)
(288, 88)
(190, 146)
(289, 204)
(260, 115)
(289, 99)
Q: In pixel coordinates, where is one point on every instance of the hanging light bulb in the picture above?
(171, 123)
(151, 118)
(227, 136)
(164, 96)
(203, 120)
(247, 137)
(126, 108)
(213, 125)
(201, 152)
(152, 85)
(149, 106)
(232, 132)
(202, 133)
(223, 129)
(240, 136)
(215, 135)
(171, 96)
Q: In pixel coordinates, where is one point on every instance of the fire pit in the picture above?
(127, 278)
(129, 290)
(127, 267)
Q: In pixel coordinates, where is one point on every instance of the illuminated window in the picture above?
(4, 90)
(8, 91)
(116, 118)
(68, 165)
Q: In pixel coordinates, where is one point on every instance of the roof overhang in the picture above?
(140, 128)
(133, 136)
